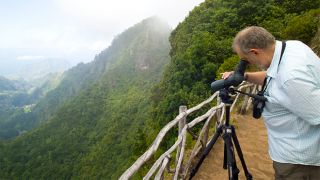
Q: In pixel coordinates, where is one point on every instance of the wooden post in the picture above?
(182, 123)
(218, 110)
(160, 173)
(205, 136)
(245, 102)
(253, 91)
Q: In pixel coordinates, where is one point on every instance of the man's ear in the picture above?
(255, 51)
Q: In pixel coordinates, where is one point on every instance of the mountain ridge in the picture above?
(112, 96)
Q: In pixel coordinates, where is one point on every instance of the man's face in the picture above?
(254, 56)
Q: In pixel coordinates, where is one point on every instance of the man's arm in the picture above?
(255, 77)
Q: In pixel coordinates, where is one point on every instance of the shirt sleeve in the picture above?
(303, 98)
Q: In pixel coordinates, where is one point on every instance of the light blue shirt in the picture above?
(292, 112)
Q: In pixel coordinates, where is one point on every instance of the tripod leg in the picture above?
(233, 171)
(225, 157)
(206, 151)
(239, 152)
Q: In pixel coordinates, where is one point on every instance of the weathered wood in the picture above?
(202, 104)
(184, 130)
(207, 114)
(245, 102)
(253, 91)
(160, 173)
(238, 95)
(181, 139)
(222, 115)
(197, 146)
(219, 110)
(204, 138)
(169, 170)
(146, 156)
(169, 151)
(179, 165)
(182, 123)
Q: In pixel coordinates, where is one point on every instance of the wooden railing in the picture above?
(181, 170)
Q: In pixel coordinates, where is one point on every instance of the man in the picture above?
(292, 112)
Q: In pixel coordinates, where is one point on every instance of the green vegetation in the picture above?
(96, 126)
(104, 115)
(201, 45)
(17, 102)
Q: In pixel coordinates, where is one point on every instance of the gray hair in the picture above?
(253, 37)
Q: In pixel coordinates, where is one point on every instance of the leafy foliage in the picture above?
(17, 102)
(104, 114)
(99, 129)
(304, 26)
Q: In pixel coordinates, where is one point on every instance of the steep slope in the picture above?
(70, 84)
(19, 103)
(12, 85)
(93, 134)
(83, 75)
(14, 98)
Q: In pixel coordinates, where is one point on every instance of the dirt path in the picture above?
(252, 136)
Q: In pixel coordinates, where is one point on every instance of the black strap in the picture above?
(264, 83)
(264, 86)
(282, 51)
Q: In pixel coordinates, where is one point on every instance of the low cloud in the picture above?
(30, 58)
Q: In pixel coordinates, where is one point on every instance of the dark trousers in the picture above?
(285, 171)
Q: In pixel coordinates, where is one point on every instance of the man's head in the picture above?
(256, 45)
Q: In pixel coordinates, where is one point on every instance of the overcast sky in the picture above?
(71, 27)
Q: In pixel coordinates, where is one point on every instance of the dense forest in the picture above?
(17, 98)
(105, 114)
(98, 109)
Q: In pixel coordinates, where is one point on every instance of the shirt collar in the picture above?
(273, 68)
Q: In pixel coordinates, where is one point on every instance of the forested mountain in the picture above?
(17, 101)
(99, 112)
(107, 116)
(15, 96)
(10, 85)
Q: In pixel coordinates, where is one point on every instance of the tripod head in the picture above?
(224, 94)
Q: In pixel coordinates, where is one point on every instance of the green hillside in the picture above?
(18, 100)
(105, 114)
(86, 134)
(15, 97)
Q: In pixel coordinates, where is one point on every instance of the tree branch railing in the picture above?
(182, 170)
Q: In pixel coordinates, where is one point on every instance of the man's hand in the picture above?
(226, 75)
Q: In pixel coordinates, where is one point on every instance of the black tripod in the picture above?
(229, 136)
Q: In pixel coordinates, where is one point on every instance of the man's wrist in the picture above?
(245, 76)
